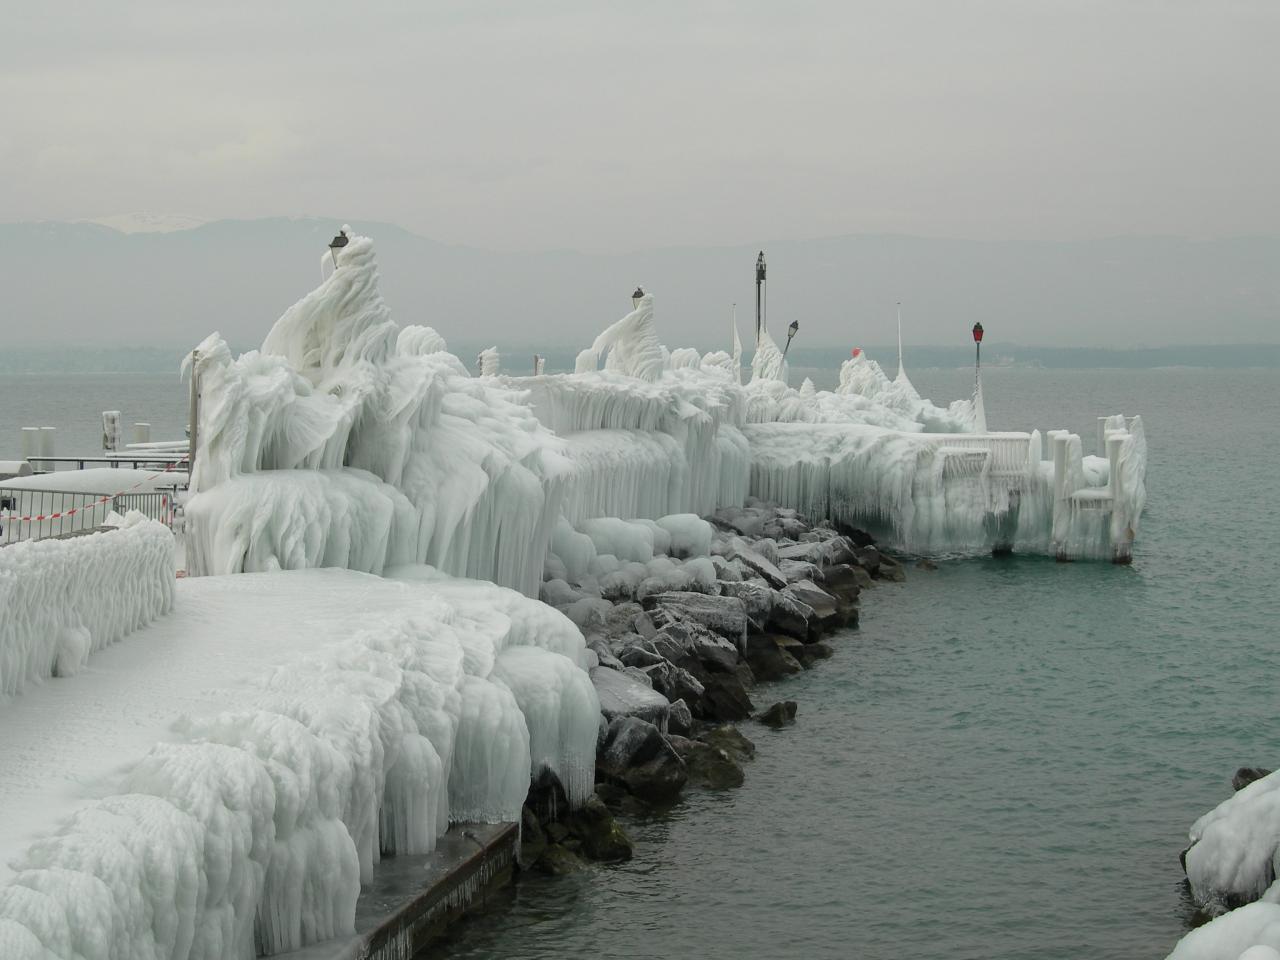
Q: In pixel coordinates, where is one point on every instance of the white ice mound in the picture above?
(630, 346)
(1251, 932)
(253, 830)
(1235, 848)
(63, 599)
(377, 430)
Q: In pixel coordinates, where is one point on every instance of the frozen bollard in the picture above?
(110, 430)
(30, 442)
(142, 433)
(47, 437)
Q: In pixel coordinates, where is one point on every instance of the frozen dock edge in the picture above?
(413, 899)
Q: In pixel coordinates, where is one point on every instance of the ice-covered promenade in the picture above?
(212, 768)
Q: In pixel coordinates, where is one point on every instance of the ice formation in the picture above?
(1251, 932)
(1235, 848)
(65, 598)
(253, 829)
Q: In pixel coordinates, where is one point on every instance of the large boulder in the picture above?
(753, 558)
(689, 639)
(708, 765)
(769, 657)
(798, 570)
(598, 835)
(675, 683)
(792, 617)
(756, 596)
(725, 615)
(780, 714)
(636, 757)
(829, 612)
(724, 697)
(623, 696)
(730, 739)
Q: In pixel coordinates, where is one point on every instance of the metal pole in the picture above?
(194, 414)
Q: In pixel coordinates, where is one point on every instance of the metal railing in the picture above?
(27, 514)
(128, 459)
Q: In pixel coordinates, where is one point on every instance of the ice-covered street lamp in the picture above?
(791, 332)
(635, 297)
(337, 243)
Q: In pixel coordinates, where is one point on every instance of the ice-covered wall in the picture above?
(253, 829)
(62, 599)
(1234, 855)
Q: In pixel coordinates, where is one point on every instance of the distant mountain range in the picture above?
(91, 294)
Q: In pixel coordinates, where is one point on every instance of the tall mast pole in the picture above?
(760, 277)
(900, 366)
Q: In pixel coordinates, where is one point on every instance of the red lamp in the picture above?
(977, 333)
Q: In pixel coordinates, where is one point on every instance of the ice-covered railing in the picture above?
(348, 441)
(63, 599)
(933, 493)
(250, 831)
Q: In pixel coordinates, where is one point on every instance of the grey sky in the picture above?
(615, 126)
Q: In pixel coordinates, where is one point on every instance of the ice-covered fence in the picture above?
(63, 599)
(959, 493)
(27, 514)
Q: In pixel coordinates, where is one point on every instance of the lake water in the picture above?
(1001, 763)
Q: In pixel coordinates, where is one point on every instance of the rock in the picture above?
(725, 698)
(724, 615)
(619, 620)
(712, 651)
(557, 861)
(640, 655)
(860, 538)
(810, 653)
(1246, 775)
(814, 551)
(924, 563)
(756, 561)
(726, 571)
(557, 593)
(730, 739)
(840, 550)
(533, 841)
(845, 582)
(643, 625)
(621, 696)
(791, 617)
(869, 560)
(891, 569)
(598, 646)
(638, 758)
(708, 765)
(674, 683)
(756, 597)
(780, 714)
(747, 521)
(799, 570)
(769, 659)
(830, 612)
(638, 675)
(680, 719)
(598, 834)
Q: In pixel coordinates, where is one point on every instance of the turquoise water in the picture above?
(1002, 763)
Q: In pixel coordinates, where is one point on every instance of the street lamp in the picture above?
(336, 244)
(791, 332)
(977, 339)
(635, 297)
(760, 304)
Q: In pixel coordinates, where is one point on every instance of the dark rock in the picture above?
(723, 615)
(926, 564)
(558, 861)
(891, 569)
(860, 538)
(709, 766)
(674, 683)
(1246, 775)
(640, 655)
(845, 582)
(780, 714)
(533, 840)
(680, 719)
(730, 739)
(622, 696)
(713, 652)
(869, 560)
(598, 834)
(825, 608)
(546, 798)
(769, 659)
(620, 620)
(746, 676)
(638, 758)
(725, 698)
(814, 551)
(746, 521)
(809, 653)
(600, 647)
(792, 617)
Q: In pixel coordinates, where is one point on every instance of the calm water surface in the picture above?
(1002, 762)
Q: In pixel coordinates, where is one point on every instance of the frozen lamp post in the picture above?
(760, 301)
(336, 244)
(635, 297)
(979, 411)
(791, 332)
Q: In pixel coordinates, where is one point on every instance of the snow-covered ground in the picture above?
(237, 768)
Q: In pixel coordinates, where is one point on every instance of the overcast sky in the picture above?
(614, 126)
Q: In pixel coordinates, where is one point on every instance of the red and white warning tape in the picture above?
(164, 500)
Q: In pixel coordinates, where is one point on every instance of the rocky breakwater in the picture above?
(680, 639)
